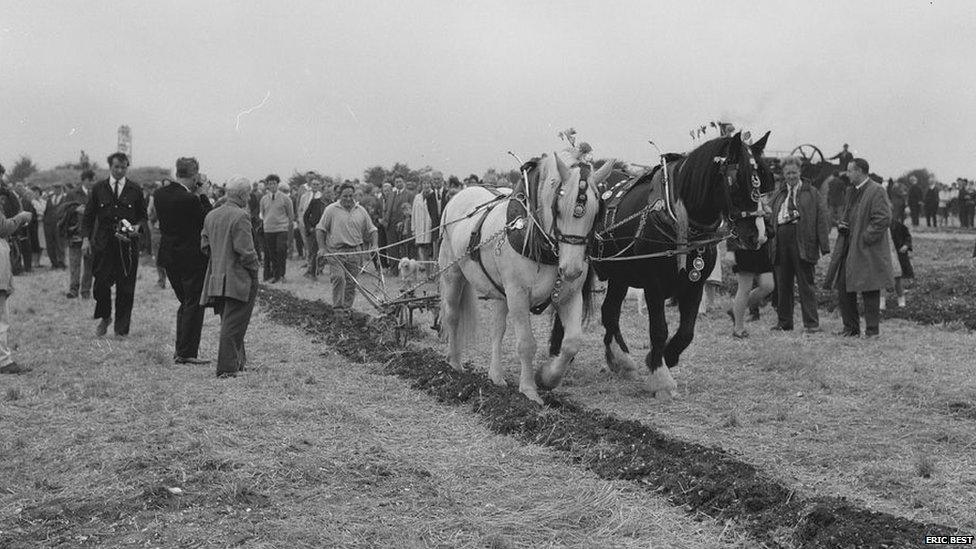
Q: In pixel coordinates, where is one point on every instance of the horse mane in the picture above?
(699, 178)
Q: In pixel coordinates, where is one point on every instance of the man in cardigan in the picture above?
(180, 208)
(278, 215)
(231, 281)
(110, 228)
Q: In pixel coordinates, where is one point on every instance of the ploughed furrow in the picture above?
(703, 480)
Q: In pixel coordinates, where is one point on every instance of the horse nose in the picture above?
(572, 274)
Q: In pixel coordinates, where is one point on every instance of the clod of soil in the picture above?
(705, 480)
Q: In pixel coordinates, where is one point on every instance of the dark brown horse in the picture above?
(664, 243)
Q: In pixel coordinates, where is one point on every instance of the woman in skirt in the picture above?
(750, 266)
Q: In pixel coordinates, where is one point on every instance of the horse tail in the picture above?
(467, 315)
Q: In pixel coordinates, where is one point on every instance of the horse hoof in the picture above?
(629, 375)
(532, 395)
(498, 380)
(664, 396)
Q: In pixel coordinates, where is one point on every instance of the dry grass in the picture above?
(107, 443)
(889, 422)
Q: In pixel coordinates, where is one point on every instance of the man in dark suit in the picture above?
(110, 228)
(52, 239)
(231, 280)
(181, 207)
(80, 265)
(436, 199)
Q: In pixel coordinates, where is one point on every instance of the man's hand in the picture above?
(85, 246)
(23, 217)
(903, 249)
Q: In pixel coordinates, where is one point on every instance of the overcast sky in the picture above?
(257, 87)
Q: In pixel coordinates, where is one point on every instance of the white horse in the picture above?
(554, 210)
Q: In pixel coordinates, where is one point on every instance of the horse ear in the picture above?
(601, 174)
(562, 167)
(759, 146)
(734, 148)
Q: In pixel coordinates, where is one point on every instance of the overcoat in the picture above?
(812, 229)
(867, 245)
(233, 265)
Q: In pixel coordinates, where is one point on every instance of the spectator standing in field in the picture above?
(310, 218)
(39, 200)
(930, 204)
(27, 235)
(80, 263)
(52, 240)
(404, 230)
(346, 230)
(231, 279)
(898, 196)
(801, 236)
(278, 216)
(915, 194)
(391, 219)
(750, 266)
(7, 227)
(420, 220)
(844, 157)
(301, 204)
(967, 203)
(112, 216)
(861, 262)
(181, 208)
(436, 200)
(901, 240)
(257, 228)
(156, 235)
(69, 228)
(945, 198)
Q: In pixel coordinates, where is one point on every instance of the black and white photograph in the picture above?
(488, 274)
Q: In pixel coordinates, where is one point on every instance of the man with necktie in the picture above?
(862, 259)
(110, 233)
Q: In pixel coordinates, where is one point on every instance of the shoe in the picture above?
(223, 375)
(847, 333)
(813, 330)
(781, 328)
(872, 335)
(901, 301)
(70, 295)
(14, 368)
(102, 327)
(744, 334)
(190, 360)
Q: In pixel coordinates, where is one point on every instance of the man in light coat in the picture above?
(231, 282)
(862, 259)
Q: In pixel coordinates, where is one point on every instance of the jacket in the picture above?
(866, 249)
(232, 267)
(812, 228)
(104, 211)
(180, 215)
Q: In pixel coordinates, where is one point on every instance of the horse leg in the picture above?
(571, 315)
(688, 302)
(661, 384)
(498, 319)
(614, 348)
(452, 283)
(518, 309)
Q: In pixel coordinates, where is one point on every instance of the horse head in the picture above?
(744, 178)
(575, 203)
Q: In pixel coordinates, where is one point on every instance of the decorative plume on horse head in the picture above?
(526, 256)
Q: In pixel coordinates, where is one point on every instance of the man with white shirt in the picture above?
(115, 208)
(861, 262)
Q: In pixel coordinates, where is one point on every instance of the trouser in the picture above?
(79, 271)
(915, 211)
(312, 254)
(54, 245)
(847, 302)
(258, 233)
(116, 265)
(235, 315)
(930, 216)
(26, 253)
(344, 280)
(275, 254)
(299, 238)
(395, 252)
(381, 241)
(187, 285)
(789, 267)
(6, 355)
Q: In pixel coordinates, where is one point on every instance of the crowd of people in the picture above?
(210, 243)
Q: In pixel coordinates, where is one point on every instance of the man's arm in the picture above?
(243, 243)
(823, 224)
(204, 241)
(879, 220)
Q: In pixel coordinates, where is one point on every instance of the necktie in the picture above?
(792, 194)
(116, 189)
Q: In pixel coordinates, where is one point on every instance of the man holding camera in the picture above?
(862, 259)
(110, 229)
(181, 208)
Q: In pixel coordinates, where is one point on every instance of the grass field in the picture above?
(106, 443)
(889, 422)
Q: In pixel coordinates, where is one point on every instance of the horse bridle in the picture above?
(730, 173)
(579, 210)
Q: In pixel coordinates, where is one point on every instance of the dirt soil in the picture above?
(702, 480)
